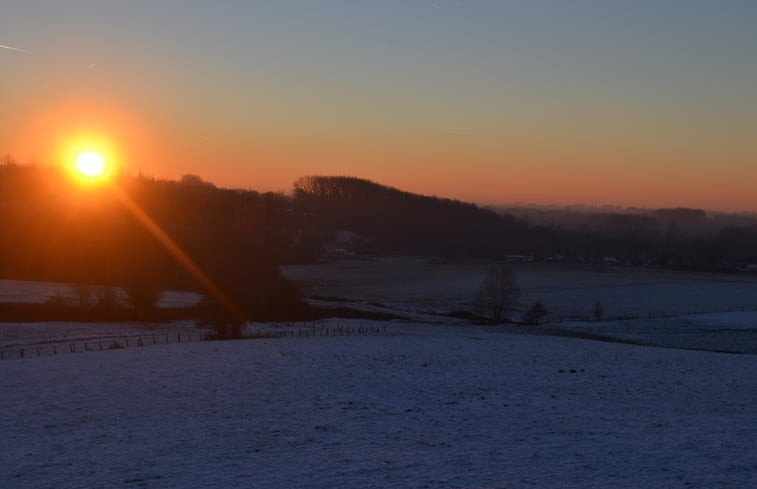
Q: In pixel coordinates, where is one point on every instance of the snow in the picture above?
(38, 292)
(438, 406)
(428, 404)
(734, 332)
(659, 307)
(734, 319)
(422, 285)
(47, 334)
(34, 292)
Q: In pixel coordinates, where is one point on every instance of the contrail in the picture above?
(3, 46)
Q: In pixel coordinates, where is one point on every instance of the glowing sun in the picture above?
(90, 164)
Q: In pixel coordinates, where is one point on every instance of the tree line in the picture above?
(390, 221)
(52, 230)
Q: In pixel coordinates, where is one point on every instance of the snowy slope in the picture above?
(429, 406)
(734, 332)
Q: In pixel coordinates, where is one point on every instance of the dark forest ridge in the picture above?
(54, 230)
(388, 220)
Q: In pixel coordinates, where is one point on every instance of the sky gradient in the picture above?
(630, 102)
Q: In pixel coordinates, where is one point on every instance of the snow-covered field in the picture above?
(39, 292)
(667, 308)
(734, 332)
(432, 404)
(438, 406)
(420, 284)
(14, 336)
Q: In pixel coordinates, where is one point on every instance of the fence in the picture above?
(99, 344)
(321, 330)
(121, 342)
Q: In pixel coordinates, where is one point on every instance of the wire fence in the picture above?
(322, 330)
(53, 348)
(289, 330)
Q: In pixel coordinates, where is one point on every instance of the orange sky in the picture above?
(492, 103)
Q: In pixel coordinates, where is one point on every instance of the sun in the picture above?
(90, 161)
(90, 164)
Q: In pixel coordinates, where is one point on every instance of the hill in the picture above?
(389, 221)
(52, 230)
(356, 216)
(144, 234)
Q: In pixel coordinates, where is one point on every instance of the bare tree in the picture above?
(498, 293)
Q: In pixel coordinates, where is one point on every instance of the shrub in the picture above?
(536, 313)
(143, 293)
(598, 311)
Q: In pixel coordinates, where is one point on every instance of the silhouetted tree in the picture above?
(143, 293)
(498, 293)
(225, 320)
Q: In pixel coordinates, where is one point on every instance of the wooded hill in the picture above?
(390, 221)
(51, 229)
(393, 222)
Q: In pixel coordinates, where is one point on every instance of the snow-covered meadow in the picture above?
(430, 403)
(658, 307)
(39, 292)
(438, 406)
(423, 285)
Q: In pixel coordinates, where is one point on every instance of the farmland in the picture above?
(427, 402)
